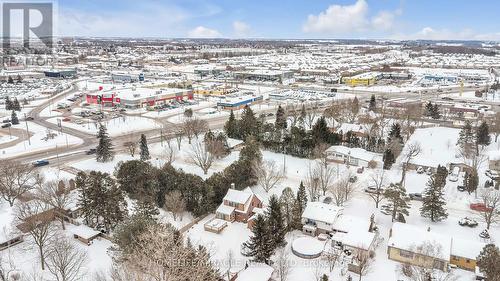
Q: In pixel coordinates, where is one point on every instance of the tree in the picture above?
(488, 261)
(428, 109)
(312, 183)
(231, 126)
(471, 181)
(13, 118)
(433, 205)
(15, 105)
(147, 209)
(287, 201)
(126, 233)
(193, 127)
(137, 178)
(398, 202)
(260, 246)
(364, 262)
(201, 156)
(299, 206)
(280, 123)
(466, 139)
(388, 159)
(36, 220)
(373, 104)
(355, 106)
(175, 204)
(8, 103)
(104, 150)
(411, 151)
(268, 174)
(426, 271)
(170, 153)
(494, 126)
(435, 112)
(144, 150)
(378, 182)
(275, 222)
(342, 191)
(482, 134)
(491, 214)
(188, 113)
(56, 195)
(16, 179)
(131, 146)
(65, 261)
(10, 80)
(320, 132)
(282, 266)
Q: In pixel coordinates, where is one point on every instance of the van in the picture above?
(454, 174)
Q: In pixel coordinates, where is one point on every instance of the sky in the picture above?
(280, 19)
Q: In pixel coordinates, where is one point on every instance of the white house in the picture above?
(319, 217)
(353, 156)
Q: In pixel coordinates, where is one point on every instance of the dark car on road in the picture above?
(416, 196)
(6, 125)
(40, 163)
(91, 151)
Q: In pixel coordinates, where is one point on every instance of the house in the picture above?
(494, 161)
(255, 272)
(413, 245)
(84, 233)
(238, 205)
(353, 156)
(319, 218)
(464, 253)
(354, 233)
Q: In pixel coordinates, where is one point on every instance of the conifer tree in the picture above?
(488, 261)
(8, 103)
(483, 134)
(260, 246)
(276, 222)
(466, 135)
(471, 181)
(13, 118)
(373, 103)
(302, 116)
(280, 123)
(104, 150)
(287, 202)
(395, 133)
(398, 201)
(147, 209)
(433, 205)
(144, 150)
(231, 126)
(299, 206)
(428, 109)
(435, 112)
(388, 159)
(320, 132)
(15, 105)
(248, 125)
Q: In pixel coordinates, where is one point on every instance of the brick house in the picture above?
(238, 205)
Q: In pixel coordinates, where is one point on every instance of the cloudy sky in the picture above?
(373, 19)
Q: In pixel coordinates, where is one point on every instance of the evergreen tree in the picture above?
(320, 132)
(302, 196)
(144, 150)
(146, 208)
(302, 116)
(395, 133)
(324, 277)
(280, 123)
(10, 80)
(398, 201)
(471, 181)
(299, 207)
(373, 103)
(13, 118)
(488, 261)
(388, 159)
(260, 246)
(433, 205)
(441, 175)
(250, 153)
(287, 201)
(483, 134)
(104, 150)
(15, 105)
(355, 106)
(428, 109)
(231, 126)
(276, 222)
(248, 125)
(435, 112)
(8, 103)
(466, 135)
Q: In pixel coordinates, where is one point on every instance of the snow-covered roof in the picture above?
(225, 210)
(256, 272)
(357, 239)
(83, 231)
(347, 223)
(319, 211)
(355, 152)
(466, 248)
(408, 237)
(237, 196)
(7, 232)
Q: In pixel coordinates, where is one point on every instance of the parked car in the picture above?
(461, 188)
(40, 163)
(416, 196)
(6, 121)
(373, 189)
(467, 222)
(420, 170)
(91, 151)
(454, 174)
(480, 207)
(492, 174)
(29, 118)
(353, 179)
(6, 125)
(484, 234)
(428, 171)
(360, 170)
(489, 183)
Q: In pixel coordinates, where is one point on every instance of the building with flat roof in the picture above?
(264, 75)
(363, 79)
(238, 102)
(137, 97)
(60, 73)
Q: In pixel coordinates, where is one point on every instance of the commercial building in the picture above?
(363, 79)
(238, 102)
(264, 75)
(137, 97)
(60, 73)
(126, 77)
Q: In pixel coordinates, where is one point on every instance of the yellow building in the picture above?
(464, 253)
(364, 79)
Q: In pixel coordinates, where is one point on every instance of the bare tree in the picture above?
(193, 127)
(170, 153)
(312, 183)
(201, 156)
(268, 174)
(410, 152)
(131, 146)
(342, 191)
(325, 175)
(8, 269)
(178, 132)
(230, 260)
(331, 256)
(491, 214)
(378, 183)
(364, 262)
(36, 219)
(426, 270)
(310, 117)
(175, 204)
(65, 260)
(56, 195)
(282, 265)
(495, 126)
(320, 153)
(16, 179)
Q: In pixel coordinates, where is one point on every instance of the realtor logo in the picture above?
(27, 25)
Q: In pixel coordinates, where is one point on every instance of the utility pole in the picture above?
(27, 131)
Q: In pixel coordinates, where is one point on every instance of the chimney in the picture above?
(232, 185)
